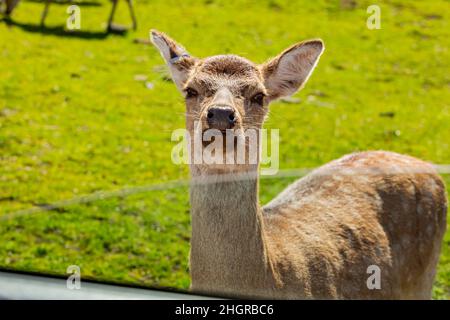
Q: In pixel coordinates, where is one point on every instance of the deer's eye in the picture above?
(258, 98)
(191, 93)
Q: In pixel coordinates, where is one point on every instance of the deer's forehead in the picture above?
(229, 65)
(235, 72)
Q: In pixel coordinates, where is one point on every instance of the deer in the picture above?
(320, 237)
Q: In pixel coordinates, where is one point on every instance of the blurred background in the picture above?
(86, 119)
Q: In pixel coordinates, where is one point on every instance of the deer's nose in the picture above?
(221, 117)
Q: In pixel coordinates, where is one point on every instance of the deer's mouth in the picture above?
(222, 138)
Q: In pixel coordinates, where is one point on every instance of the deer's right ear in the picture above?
(177, 58)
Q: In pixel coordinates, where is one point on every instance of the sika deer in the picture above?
(318, 238)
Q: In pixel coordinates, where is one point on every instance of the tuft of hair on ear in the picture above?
(169, 49)
(177, 58)
(288, 72)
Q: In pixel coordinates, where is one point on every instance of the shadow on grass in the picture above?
(56, 31)
(86, 3)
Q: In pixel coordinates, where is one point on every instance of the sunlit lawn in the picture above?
(82, 113)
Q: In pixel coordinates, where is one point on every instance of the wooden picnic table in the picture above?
(11, 4)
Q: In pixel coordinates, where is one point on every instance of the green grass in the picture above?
(73, 120)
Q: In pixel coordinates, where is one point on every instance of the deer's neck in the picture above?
(228, 249)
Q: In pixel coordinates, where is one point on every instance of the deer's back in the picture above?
(366, 209)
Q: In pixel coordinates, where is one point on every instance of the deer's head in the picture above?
(229, 93)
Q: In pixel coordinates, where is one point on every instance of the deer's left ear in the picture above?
(177, 58)
(288, 72)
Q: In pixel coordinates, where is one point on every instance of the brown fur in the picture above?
(319, 236)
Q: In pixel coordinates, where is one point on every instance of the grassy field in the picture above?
(83, 112)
